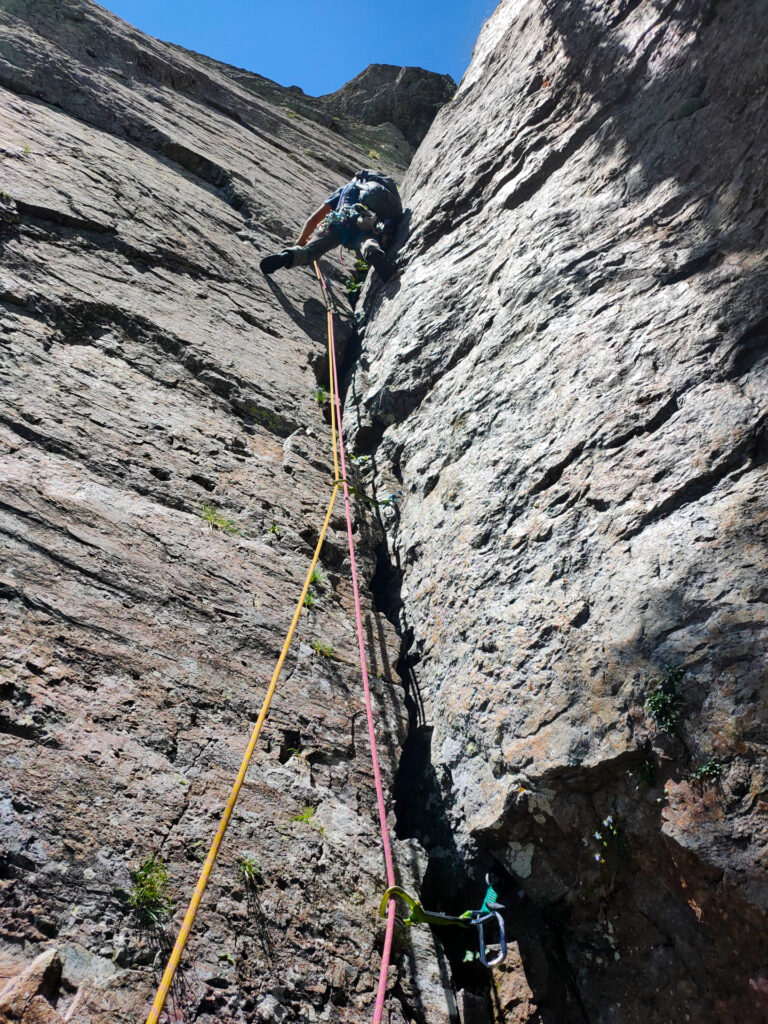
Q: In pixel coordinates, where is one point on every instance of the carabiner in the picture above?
(479, 919)
(470, 918)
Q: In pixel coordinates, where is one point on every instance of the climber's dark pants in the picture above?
(366, 246)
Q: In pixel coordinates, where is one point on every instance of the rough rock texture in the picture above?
(569, 382)
(568, 385)
(408, 98)
(151, 378)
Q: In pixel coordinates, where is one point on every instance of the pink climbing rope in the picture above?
(387, 951)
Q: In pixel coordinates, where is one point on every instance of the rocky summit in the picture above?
(557, 411)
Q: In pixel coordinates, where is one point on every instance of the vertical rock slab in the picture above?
(568, 385)
(165, 467)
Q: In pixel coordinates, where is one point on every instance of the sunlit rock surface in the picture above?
(164, 469)
(568, 384)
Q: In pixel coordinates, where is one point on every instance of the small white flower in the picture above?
(598, 858)
(608, 820)
(598, 836)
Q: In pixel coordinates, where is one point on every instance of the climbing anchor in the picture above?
(470, 918)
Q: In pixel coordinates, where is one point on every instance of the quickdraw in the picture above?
(470, 918)
(348, 220)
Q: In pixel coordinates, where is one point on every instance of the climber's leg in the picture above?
(275, 262)
(371, 251)
(300, 255)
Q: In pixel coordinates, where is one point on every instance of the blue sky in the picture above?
(316, 45)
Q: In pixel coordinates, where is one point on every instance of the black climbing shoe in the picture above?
(384, 267)
(272, 263)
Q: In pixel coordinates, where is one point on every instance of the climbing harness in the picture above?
(349, 221)
(470, 918)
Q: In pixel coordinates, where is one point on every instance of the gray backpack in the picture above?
(379, 193)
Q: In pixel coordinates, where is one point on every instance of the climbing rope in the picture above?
(189, 918)
(387, 951)
(194, 903)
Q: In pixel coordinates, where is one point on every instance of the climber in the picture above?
(360, 215)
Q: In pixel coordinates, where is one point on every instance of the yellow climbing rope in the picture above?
(189, 918)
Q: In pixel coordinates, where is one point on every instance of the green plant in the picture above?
(306, 815)
(320, 395)
(26, 149)
(274, 528)
(374, 154)
(290, 113)
(229, 958)
(664, 701)
(250, 869)
(320, 648)
(149, 896)
(710, 771)
(309, 600)
(218, 521)
(609, 837)
(6, 196)
(355, 281)
(317, 579)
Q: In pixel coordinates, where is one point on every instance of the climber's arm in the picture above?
(319, 215)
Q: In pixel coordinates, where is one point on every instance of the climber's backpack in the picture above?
(379, 193)
(368, 174)
(372, 189)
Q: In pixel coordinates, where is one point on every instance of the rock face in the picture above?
(568, 383)
(165, 470)
(408, 98)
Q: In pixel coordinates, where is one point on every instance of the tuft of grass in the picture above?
(149, 896)
(219, 521)
(305, 817)
(708, 772)
(317, 579)
(355, 282)
(664, 701)
(6, 195)
(26, 149)
(250, 870)
(309, 600)
(320, 648)
(290, 113)
(374, 154)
